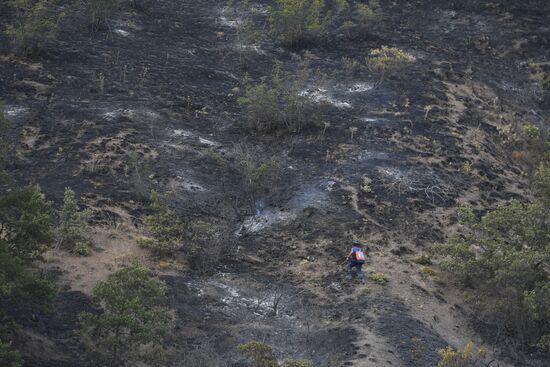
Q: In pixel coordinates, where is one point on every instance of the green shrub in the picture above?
(8, 356)
(467, 357)
(132, 322)
(428, 271)
(260, 353)
(422, 259)
(4, 133)
(280, 104)
(165, 228)
(388, 60)
(501, 257)
(532, 131)
(379, 278)
(357, 21)
(35, 23)
(295, 22)
(73, 230)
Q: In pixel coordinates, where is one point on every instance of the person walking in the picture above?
(356, 259)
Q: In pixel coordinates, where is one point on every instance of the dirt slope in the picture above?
(162, 86)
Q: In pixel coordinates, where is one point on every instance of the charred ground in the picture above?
(162, 85)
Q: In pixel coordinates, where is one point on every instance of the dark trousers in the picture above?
(357, 266)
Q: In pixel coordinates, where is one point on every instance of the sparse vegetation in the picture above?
(357, 20)
(468, 357)
(132, 320)
(73, 229)
(428, 271)
(8, 356)
(502, 256)
(422, 259)
(163, 226)
(263, 356)
(280, 104)
(35, 22)
(259, 174)
(101, 11)
(388, 60)
(379, 278)
(296, 22)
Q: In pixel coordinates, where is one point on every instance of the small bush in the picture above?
(467, 357)
(388, 60)
(422, 259)
(428, 271)
(379, 278)
(73, 232)
(281, 104)
(35, 23)
(8, 356)
(296, 22)
(532, 131)
(164, 226)
(263, 356)
(260, 353)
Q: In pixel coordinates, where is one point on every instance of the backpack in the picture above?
(359, 256)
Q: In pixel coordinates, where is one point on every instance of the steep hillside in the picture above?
(154, 102)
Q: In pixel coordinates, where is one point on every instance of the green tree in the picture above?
(166, 230)
(505, 258)
(25, 221)
(294, 22)
(35, 22)
(8, 356)
(73, 230)
(132, 322)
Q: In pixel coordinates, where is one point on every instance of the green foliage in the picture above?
(504, 257)
(73, 229)
(259, 173)
(261, 353)
(35, 23)
(25, 221)
(467, 357)
(102, 10)
(133, 319)
(428, 271)
(532, 131)
(422, 259)
(280, 104)
(8, 356)
(542, 184)
(357, 20)
(388, 60)
(165, 228)
(295, 22)
(19, 284)
(379, 278)
(25, 233)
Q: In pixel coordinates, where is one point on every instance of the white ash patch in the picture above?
(266, 219)
(368, 119)
(360, 87)
(322, 95)
(189, 185)
(131, 114)
(15, 111)
(189, 135)
(121, 32)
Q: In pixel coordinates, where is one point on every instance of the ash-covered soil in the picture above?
(151, 103)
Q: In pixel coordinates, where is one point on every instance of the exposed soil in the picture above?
(152, 104)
